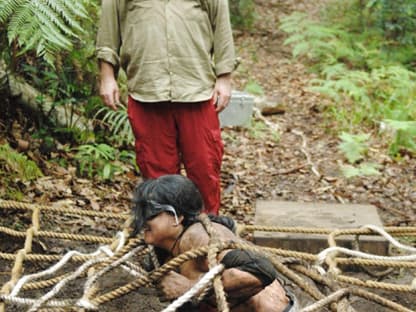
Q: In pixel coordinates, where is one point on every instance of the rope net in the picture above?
(318, 277)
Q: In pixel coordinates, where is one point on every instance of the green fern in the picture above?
(118, 123)
(364, 169)
(395, 87)
(45, 26)
(352, 84)
(317, 42)
(102, 160)
(404, 136)
(354, 146)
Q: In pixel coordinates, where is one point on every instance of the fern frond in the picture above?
(68, 12)
(53, 23)
(52, 34)
(118, 122)
(77, 8)
(8, 7)
(53, 17)
(21, 22)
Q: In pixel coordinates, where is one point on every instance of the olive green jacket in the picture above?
(171, 50)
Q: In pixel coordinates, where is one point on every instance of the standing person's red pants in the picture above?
(168, 134)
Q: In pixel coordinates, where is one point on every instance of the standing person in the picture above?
(167, 209)
(178, 56)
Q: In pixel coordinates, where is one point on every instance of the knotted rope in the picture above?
(120, 249)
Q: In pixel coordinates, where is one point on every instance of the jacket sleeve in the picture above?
(108, 36)
(224, 54)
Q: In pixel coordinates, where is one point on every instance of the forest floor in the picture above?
(299, 161)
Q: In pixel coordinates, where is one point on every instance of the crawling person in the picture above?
(167, 209)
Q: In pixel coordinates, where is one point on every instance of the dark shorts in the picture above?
(260, 267)
(253, 263)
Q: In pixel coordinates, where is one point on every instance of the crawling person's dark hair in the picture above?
(163, 194)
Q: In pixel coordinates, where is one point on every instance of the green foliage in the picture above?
(243, 13)
(404, 136)
(364, 169)
(45, 26)
(317, 42)
(18, 164)
(354, 146)
(351, 34)
(367, 77)
(101, 160)
(254, 88)
(11, 190)
(343, 85)
(368, 96)
(117, 122)
(257, 129)
(396, 18)
(66, 73)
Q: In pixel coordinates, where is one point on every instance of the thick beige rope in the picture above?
(212, 251)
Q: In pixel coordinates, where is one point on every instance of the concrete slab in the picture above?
(317, 215)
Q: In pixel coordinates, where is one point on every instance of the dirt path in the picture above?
(304, 164)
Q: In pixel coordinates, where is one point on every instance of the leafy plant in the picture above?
(243, 13)
(404, 136)
(24, 168)
(100, 160)
(354, 146)
(118, 123)
(341, 84)
(320, 43)
(257, 129)
(396, 18)
(45, 26)
(364, 169)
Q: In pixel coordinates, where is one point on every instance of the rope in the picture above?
(336, 296)
(133, 243)
(153, 257)
(223, 246)
(376, 285)
(202, 284)
(28, 302)
(73, 276)
(91, 280)
(152, 277)
(373, 262)
(324, 254)
(117, 254)
(213, 252)
(389, 238)
(40, 258)
(331, 253)
(396, 230)
(82, 269)
(277, 252)
(10, 204)
(54, 268)
(48, 234)
(18, 264)
(319, 305)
